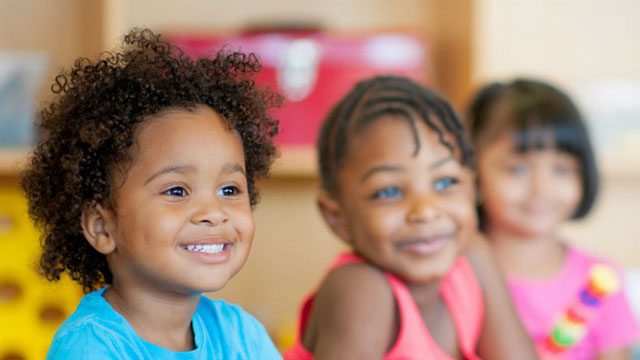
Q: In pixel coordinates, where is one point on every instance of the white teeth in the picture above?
(211, 249)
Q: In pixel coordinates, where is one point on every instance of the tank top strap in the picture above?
(413, 336)
(344, 259)
(462, 293)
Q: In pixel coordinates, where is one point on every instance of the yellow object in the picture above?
(286, 335)
(604, 278)
(571, 329)
(31, 308)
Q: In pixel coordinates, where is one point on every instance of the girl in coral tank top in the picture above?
(419, 283)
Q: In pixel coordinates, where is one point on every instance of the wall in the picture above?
(66, 29)
(445, 23)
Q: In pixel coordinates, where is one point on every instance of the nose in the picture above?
(209, 213)
(540, 182)
(423, 209)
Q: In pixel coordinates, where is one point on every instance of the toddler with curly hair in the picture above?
(143, 190)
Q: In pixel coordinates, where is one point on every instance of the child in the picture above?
(143, 190)
(536, 170)
(398, 188)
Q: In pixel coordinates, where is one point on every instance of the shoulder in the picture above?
(238, 327)
(84, 337)
(580, 267)
(94, 328)
(353, 287)
(357, 275)
(584, 259)
(350, 296)
(93, 314)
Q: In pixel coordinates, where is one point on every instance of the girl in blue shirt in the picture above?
(143, 191)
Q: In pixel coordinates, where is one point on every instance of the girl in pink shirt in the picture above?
(536, 170)
(398, 189)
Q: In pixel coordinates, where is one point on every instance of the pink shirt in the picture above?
(460, 291)
(539, 302)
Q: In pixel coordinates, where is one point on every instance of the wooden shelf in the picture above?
(294, 162)
(300, 162)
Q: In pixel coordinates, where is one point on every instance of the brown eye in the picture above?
(229, 191)
(176, 191)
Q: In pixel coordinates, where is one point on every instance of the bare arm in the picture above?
(503, 336)
(353, 315)
(618, 354)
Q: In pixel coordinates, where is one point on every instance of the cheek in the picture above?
(570, 192)
(502, 191)
(386, 221)
(462, 208)
(374, 223)
(156, 224)
(243, 223)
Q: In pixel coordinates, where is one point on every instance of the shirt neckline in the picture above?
(560, 275)
(196, 326)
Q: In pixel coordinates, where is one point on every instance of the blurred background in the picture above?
(313, 51)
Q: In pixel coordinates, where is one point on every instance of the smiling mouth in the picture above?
(425, 246)
(208, 249)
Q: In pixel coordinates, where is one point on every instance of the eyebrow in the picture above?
(184, 169)
(395, 168)
(441, 162)
(233, 167)
(180, 169)
(375, 170)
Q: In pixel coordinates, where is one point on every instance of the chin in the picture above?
(433, 273)
(215, 285)
(213, 288)
(535, 230)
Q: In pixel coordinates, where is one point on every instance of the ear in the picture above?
(333, 214)
(97, 225)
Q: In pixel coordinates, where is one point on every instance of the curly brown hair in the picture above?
(90, 126)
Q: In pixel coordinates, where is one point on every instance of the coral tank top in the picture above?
(459, 289)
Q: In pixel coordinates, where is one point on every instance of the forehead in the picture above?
(184, 127)
(533, 139)
(508, 145)
(392, 139)
(198, 138)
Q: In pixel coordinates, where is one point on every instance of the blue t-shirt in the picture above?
(221, 331)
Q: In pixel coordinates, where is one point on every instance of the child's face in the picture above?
(530, 193)
(183, 222)
(408, 213)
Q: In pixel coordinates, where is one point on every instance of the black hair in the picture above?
(90, 126)
(387, 95)
(533, 110)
